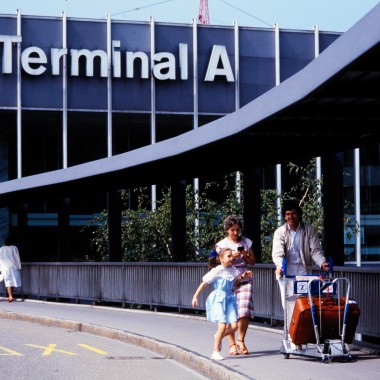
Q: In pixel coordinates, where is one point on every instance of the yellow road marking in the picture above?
(92, 349)
(50, 348)
(10, 352)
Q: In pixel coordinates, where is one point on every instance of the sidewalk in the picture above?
(189, 340)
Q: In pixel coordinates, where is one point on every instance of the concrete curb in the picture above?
(200, 364)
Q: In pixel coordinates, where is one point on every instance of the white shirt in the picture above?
(294, 249)
(294, 264)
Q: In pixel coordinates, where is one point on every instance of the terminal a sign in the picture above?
(210, 70)
(164, 66)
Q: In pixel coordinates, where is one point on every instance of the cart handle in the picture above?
(283, 266)
(331, 267)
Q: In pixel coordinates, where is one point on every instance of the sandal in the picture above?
(243, 349)
(235, 351)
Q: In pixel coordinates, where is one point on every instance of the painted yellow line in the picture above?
(93, 349)
(10, 352)
(50, 348)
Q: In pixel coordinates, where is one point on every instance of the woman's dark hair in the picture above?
(232, 220)
(8, 241)
(291, 205)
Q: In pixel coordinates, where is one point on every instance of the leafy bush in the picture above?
(146, 233)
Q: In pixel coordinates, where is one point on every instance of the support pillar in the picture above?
(178, 216)
(21, 236)
(114, 226)
(64, 253)
(251, 211)
(333, 205)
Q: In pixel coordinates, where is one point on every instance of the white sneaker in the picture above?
(216, 356)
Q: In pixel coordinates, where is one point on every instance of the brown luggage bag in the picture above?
(301, 327)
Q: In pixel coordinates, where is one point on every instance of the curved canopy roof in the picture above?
(333, 104)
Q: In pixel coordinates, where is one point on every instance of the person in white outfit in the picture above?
(299, 244)
(10, 266)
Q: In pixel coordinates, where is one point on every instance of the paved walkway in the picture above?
(189, 340)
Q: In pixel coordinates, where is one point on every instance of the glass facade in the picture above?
(367, 167)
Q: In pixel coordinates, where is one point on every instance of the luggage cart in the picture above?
(323, 322)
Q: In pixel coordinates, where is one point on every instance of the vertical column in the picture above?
(114, 225)
(195, 75)
(333, 205)
(19, 126)
(153, 103)
(278, 81)
(277, 53)
(178, 216)
(252, 215)
(64, 93)
(195, 114)
(318, 159)
(22, 228)
(358, 243)
(114, 197)
(109, 87)
(64, 230)
(237, 98)
(237, 66)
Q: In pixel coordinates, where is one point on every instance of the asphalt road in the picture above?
(189, 341)
(34, 351)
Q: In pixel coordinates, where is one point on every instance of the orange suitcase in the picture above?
(301, 328)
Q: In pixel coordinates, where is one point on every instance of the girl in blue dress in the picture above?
(221, 306)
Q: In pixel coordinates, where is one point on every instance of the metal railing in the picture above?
(173, 285)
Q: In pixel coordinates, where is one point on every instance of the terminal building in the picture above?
(74, 91)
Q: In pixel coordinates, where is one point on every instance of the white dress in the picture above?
(10, 265)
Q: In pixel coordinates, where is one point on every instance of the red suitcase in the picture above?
(301, 327)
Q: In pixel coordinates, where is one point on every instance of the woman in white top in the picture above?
(10, 266)
(243, 256)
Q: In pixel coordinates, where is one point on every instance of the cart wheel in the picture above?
(325, 359)
(286, 356)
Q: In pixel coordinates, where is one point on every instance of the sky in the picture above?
(329, 15)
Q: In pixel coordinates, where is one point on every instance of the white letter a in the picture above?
(219, 52)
